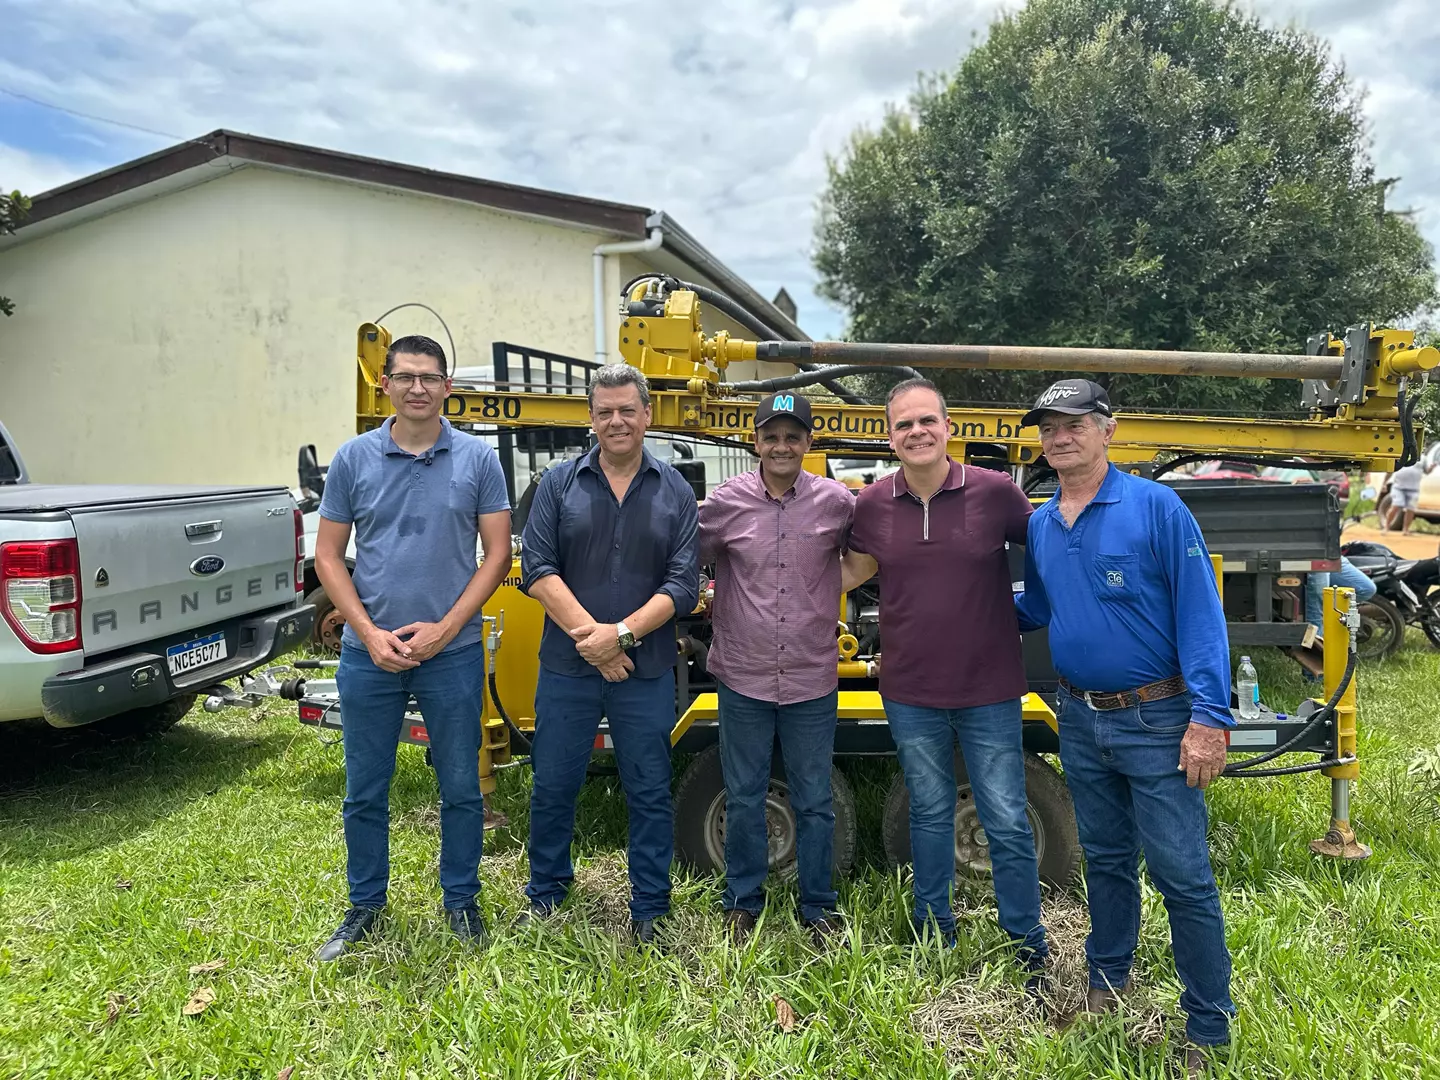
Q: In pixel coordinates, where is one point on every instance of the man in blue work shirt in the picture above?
(1116, 567)
(415, 492)
(611, 550)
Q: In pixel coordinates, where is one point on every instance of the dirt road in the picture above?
(1414, 546)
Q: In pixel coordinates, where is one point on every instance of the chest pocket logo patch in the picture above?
(1115, 579)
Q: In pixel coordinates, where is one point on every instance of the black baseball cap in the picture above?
(1074, 397)
(785, 403)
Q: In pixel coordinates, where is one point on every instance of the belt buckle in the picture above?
(1089, 704)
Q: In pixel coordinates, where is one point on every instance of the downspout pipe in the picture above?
(623, 247)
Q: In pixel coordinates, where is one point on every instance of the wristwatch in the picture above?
(627, 639)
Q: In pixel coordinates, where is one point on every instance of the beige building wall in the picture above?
(203, 336)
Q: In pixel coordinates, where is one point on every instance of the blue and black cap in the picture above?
(785, 403)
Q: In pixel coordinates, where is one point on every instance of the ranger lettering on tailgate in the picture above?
(153, 611)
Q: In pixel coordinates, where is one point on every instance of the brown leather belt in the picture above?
(1126, 699)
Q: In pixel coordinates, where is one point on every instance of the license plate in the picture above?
(189, 655)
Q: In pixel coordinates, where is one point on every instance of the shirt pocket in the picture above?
(1116, 578)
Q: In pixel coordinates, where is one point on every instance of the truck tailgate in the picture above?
(153, 569)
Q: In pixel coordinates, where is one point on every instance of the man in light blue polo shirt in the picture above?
(416, 492)
(1116, 567)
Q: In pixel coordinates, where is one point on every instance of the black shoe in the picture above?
(826, 933)
(643, 932)
(468, 925)
(739, 925)
(535, 913)
(353, 929)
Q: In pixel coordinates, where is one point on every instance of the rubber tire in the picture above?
(324, 608)
(1430, 620)
(147, 722)
(700, 795)
(1048, 802)
(1383, 614)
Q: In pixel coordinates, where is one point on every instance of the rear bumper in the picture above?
(141, 679)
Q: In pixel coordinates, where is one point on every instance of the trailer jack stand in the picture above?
(1339, 842)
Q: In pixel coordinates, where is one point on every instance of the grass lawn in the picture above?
(124, 865)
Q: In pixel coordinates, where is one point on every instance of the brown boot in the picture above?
(1196, 1063)
(1100, 1000)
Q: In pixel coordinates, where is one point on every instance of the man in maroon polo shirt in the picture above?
(775, 536)
(936, 531)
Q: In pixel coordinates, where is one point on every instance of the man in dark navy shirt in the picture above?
(611, 550)
(1116, 567)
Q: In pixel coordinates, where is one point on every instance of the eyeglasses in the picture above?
(405, 380)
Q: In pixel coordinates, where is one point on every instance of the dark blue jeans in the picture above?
(1122, 769)
(990, 741)
(567, 715)
(372, 708)
(807, 746)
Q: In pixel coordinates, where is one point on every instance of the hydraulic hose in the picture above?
(1291, 770)
(515, 732)
(1410, 451)
(1325, 712)
(808, 377)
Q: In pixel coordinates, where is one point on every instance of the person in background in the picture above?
(1405, 497)
(775, 535)
(610, 551)
(1116, 567)
(415, 492)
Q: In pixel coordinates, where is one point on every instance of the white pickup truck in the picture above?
(120, 605)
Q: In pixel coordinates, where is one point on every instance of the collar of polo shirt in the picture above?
(444, 442)
(957, 469)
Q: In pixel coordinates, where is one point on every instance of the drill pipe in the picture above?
(1025, 358)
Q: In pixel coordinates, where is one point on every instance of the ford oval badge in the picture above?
(207, 565)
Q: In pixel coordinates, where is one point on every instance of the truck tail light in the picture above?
(299, 551)
(40, 593)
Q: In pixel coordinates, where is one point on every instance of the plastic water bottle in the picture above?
(1248, 690)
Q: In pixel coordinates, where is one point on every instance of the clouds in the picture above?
(720, 114)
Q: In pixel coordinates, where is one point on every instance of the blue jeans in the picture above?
(1122, 769)
(372, 707)
(748, 728)
(567, 716)
(1347, 577)
(990, 741)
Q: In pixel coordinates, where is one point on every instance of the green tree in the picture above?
(13, 208)
(1122, 173)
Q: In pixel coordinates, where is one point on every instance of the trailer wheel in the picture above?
(143, 723)
(1047, 805)
(700, 818)
(329, 623)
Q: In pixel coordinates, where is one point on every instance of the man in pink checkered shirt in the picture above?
(776, 536)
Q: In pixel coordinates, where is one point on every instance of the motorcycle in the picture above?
(1402, 585)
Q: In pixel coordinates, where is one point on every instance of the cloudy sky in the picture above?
(721, 116)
